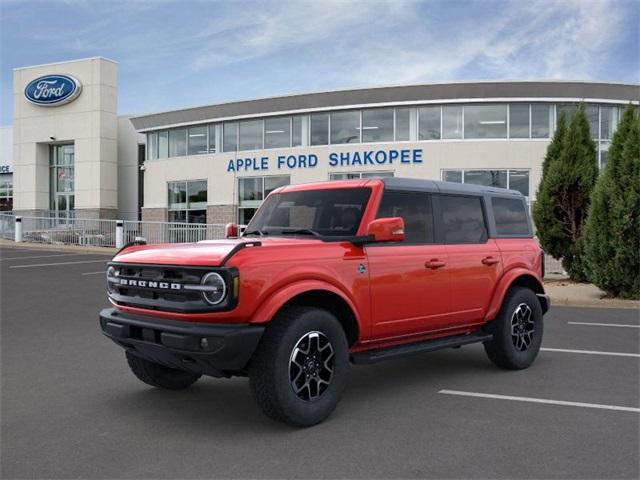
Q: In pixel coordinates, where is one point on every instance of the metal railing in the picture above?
(102, 233)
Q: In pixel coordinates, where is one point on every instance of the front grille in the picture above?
(163, 287)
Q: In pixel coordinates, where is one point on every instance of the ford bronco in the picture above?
(330, 274)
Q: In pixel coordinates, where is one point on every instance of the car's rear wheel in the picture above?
(517, 330)
(300, 368)
(160, 376)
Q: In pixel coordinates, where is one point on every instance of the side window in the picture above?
(510, 216)
(463, 219)
(415, 210)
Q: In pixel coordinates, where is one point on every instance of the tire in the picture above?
(516, 347)
(160, 376)
(289, 374)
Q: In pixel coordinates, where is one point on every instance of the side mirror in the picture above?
(386, 229)
(231, 230)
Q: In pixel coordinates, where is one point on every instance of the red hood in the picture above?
(207, 253)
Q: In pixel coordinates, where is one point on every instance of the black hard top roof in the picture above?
(399, 183)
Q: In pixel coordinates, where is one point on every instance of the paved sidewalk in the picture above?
(566, 292)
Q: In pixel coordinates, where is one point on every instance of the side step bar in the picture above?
(388, 353)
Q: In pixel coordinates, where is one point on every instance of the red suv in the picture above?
(329, 274)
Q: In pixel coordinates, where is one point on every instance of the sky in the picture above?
(176, 54)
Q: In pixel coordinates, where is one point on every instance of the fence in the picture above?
(104, 233)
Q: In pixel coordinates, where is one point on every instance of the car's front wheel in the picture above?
(517, 330)
(300, 368)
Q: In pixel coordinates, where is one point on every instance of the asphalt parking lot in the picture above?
(71, 409)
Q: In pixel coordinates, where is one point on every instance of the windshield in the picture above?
(332, 212)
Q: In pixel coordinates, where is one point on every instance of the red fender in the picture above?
(501, 290)
(270, 307)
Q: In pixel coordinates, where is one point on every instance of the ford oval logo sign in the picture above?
(53, 90)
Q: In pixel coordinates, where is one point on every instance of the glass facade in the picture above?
(359, 175)
(384, 124)
(6, 192)
(187, 201)
(61, 179)
(345, 127)
(517, 179)
(377, 125)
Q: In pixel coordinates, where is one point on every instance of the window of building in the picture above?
(463, 219)
(452, 121)
(429, 123)
(6, 192)
(604, 153)
(345, 127)
(251, 135)
(487, 178)
(359, 175)
(61, 179)
(485, 121)
(403, 124)
(320, 129)
(511, 179)
(510, 216)
(212, 138)
(178, 142)
(188, 201)
(253, 190)
(377, 125)
(230, 137)
(541, 120)
(197, 140)
(296, 131)
(163, 144)
(592, 113)
(519, 120)
(277, 132)
(415, 210)
(152, 146)
(608, 122)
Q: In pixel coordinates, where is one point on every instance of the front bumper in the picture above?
(182, 345)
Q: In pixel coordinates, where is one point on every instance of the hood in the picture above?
(210, 253)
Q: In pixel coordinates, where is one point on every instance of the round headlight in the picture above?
(111, 277)
(215, 288)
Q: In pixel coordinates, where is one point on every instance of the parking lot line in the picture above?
(41, 256)
(604, 324)
(60, 263)
(590, 352)
(94, 273)
(540, 400)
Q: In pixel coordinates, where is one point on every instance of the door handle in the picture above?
(434, 263)
(490, 260)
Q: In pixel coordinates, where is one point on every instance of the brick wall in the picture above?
(154, 214)
(221, 214)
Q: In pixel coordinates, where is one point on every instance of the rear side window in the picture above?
(510, 216)
(463, 219)
(415, 210)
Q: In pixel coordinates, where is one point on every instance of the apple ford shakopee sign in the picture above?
(53, 90)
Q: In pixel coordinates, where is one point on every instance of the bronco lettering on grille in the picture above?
(149, 284)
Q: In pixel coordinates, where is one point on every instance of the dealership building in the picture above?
(69, 150)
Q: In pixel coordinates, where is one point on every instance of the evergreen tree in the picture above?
(612, 233)
(561, 208)
(543, 211)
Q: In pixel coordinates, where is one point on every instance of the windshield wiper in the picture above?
(301, 231)
(255, 232)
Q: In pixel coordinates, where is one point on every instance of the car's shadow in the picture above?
(226, 405)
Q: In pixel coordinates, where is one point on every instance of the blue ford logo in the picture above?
(53, 90)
